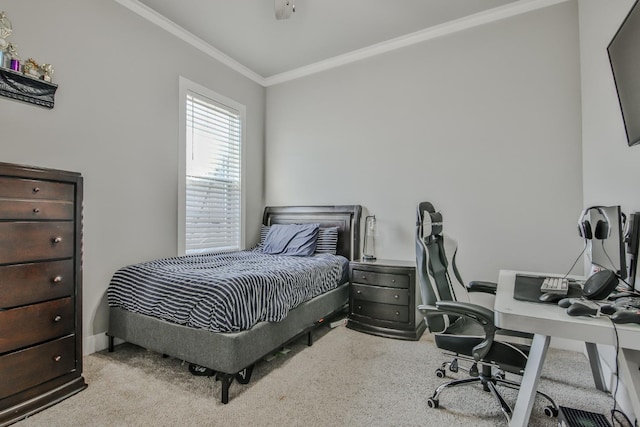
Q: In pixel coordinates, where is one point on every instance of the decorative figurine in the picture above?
(5, 30)
(47, 69)
(31, 67)
(11, 58)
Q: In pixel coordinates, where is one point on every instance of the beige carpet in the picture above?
(346, 378)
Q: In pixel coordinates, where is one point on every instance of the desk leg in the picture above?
(594, 361)
(629, 369)
(530, 380)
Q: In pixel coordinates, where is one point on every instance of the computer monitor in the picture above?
(607, 249)
(633, 239)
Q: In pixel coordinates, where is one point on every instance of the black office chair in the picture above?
(467, 331)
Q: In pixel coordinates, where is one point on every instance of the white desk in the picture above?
(547, 320)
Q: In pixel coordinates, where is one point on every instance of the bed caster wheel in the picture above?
(550, 411)
(432, 403)
(244, 376)
(440, 373)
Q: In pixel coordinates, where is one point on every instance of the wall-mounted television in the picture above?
(624, 56)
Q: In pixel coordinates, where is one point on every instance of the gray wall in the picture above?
(116, 122)
(485, 123)
(611, 173)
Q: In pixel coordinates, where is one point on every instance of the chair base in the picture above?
(489, 383)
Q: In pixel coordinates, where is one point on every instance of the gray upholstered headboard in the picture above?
(345, 217)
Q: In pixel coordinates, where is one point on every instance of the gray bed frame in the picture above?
(232, 355)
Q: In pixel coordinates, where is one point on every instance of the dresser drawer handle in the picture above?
(57, 239)
(397, 313)
(359, 307)
(36, 210)
(358, 292)
(364, 277)
(57, 358)
(393, 280)
(396, 296)
(36, 189)
(57, 279)
(57, 319)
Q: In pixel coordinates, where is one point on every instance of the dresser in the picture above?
(40, 289)
(383, 299)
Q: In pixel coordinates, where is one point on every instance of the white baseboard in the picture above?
(95, 343)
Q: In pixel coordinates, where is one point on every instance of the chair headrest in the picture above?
(429, 220)
(431, 224)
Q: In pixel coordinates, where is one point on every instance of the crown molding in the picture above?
(173, 28)
(475, 20)
(471, 21)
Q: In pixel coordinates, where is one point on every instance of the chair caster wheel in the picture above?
(550, 411)
(440, 373)
(500, 375)
(432, 403)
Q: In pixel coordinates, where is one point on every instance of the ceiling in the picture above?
(247, 36)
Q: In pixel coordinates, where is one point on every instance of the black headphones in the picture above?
(602, 230)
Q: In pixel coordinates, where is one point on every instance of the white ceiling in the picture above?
(246, 34)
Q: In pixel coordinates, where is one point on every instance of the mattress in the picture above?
(224, 292)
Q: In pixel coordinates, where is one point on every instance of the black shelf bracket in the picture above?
(25, 88)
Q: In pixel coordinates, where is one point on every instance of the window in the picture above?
(210, 194)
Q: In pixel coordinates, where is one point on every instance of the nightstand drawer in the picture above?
(21, 188)
(36, 365)
(33, 241)
(35, 209)
(380, 279)
(32, 324)
(379, 294)
(22, 284)
(393, 313)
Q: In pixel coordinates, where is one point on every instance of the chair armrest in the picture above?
(429, 309)
(477, 313)
(482, 286)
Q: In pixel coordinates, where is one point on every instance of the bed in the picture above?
(232, 354)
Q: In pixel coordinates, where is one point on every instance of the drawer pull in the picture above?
(358, 292)
(57, 279)
(393, 280)
(397, 313)
(36, 210)
(57, 239)
(36, 189)
(57, 319)
(57, 358)
(364, 277)
(359, 307)
(396, 296)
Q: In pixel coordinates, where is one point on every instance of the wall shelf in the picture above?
(25, 88)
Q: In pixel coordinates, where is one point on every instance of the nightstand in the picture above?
(383, 297)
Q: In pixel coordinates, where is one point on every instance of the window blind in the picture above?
(213, 190)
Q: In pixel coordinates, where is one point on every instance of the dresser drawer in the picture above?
(22, 284)
(394, 313)
(36, 365)
(24, 326)
(380, 279)
(380, 294)
(35, 209)
(20, 188)
(32, 241)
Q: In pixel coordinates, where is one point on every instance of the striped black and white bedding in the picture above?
(224, 292)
